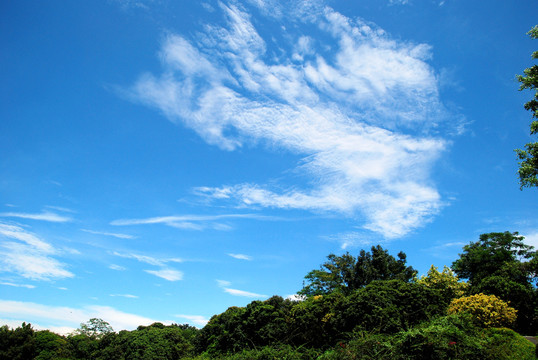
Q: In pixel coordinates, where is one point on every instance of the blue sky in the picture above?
(164, 160)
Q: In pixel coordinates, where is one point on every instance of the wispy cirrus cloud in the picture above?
(364, 114)
(129, 296)
(165, 271)
(43, 216)
(28, 286)
(191, 222)
(241, 256)
(117, 267)
(116, 235)
(167, 274)
(26, 255)
(225, 285)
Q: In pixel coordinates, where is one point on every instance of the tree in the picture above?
(94, 328)
(493, 254)
(502, 264)
(485, 310)
(528, 167)
(446, 282)
(345, 273)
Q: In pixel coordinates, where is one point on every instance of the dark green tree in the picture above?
(496, 253)
(17, 344)
(346, 273)
(528, 166)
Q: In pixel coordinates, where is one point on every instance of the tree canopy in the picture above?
(528, 166)
(502, 264)
(345, 273)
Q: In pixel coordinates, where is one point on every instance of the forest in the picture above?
(369, 306)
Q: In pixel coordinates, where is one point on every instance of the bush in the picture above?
(506, 344)
(485, 310)
(448, 337)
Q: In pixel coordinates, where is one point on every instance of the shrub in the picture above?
(506, 344)
(486, 310)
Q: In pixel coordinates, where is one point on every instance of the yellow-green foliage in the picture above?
(486, 310)
(446, 281)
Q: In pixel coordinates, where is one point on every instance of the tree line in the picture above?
(369, 306)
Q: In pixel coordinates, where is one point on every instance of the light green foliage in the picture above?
(528, 167)
(446, 281)
(506, 344)
(94, 328)
(485, 310)
(345, 273)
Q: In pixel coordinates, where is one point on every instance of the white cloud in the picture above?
(531, 238)
(235, 292)
(117, 267)
(191, 222)
(147, 259)
(167, 274)
(59, 317)
(223, 283)
(44, 216)
(352, 239)
(24, 254)
(18, 285)
(296, 297)
(164, 272)
(364, 118)
(241, 256)
(198, 320)
(117, 235)
(129, 296)
(243, 293)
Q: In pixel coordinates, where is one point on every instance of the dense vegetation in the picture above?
(372, 306)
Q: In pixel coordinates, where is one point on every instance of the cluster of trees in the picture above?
(372, 306)
(97, 341)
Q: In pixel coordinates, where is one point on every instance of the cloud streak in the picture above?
(26, 255)
(164, 272)
(44, 216)
(364, 115)
(225, 285)
(116, 235)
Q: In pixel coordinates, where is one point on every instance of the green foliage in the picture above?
(491, 254)
(346, 274)
(507, 344)
(94, 328)
(17, 344)
(389, 306)
(448, 337)
(156, 341)
(446, 282)
(502, 264)
(528, 166)
(316, 321)
(51, 346)
(485, 310)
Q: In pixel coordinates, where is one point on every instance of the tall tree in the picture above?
(346, 273)
(528, 167)
(502, 264)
